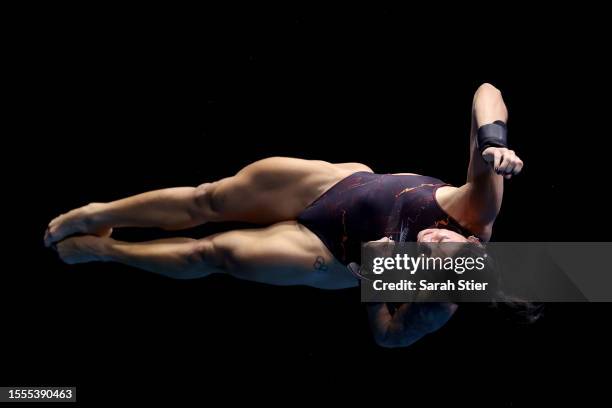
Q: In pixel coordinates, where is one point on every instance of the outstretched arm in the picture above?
(481, 197)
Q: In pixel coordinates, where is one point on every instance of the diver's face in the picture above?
(431, 238)
(440, 235)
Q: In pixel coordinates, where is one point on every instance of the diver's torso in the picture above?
(367, 206)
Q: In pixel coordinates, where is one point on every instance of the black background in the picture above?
(118, 102)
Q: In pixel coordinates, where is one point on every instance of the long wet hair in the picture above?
(512, 308)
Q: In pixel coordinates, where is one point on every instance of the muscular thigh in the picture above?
(274, 189)
(285, 253)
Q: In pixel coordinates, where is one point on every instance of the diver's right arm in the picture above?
(409, 323)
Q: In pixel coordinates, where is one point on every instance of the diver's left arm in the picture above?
(481, 197)
(409, 323)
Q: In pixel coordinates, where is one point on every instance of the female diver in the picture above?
(314, 215)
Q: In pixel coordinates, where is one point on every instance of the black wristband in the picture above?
(492, 135)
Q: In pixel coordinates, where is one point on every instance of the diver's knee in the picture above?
(229, 254)
(215, 252)
(200, 259)
(207, 202)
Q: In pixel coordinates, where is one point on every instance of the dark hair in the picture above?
(512, 308)
(517, 310)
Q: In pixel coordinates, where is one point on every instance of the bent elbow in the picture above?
(395, 342)
(388, 344)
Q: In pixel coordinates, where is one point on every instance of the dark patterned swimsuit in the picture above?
(367, 207)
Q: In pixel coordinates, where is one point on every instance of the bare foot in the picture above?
(77, 221)
(87, 248)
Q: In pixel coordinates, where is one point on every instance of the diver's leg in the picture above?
(171, 208)
(179, 258)
(282, 254)
(267, 191)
